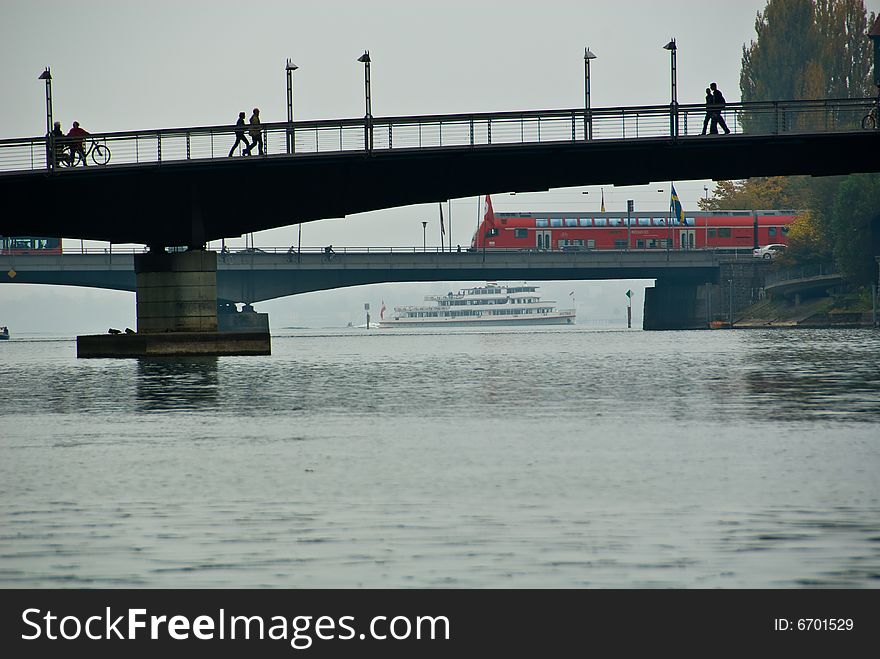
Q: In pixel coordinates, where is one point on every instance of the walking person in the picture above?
(719, 102)
(256, 132)
(76, 144)
(239, 135)
(709, 102)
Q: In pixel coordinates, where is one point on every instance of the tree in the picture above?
(759, 193)
(854, 220)
(806, 241)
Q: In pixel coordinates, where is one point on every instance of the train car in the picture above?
(576, 231)
(29, 245)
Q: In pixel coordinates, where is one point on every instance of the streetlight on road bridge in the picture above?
(289, 69)
(368, 117)
(424, 238)
(673, 106)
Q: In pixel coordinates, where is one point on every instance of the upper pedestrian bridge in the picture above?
(179, 187)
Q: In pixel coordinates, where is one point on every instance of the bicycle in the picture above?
(100, 154)
(871, 120)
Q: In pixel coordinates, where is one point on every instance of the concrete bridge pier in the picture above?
(677, 305)
(177, 313)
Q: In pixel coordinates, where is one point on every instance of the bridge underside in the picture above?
(191, 202)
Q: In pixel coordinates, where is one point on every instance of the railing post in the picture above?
(159, 146)
(187, 146)
(572, 126)
(776, 117)
(490, 130)
(390, 140)
(472, 131)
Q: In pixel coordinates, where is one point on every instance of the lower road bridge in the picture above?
(687, 281)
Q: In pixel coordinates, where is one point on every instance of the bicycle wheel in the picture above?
(869, 121)
(100, 154)
(63, 158)
(74, 159)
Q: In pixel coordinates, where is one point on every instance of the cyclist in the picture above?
(76, 144)
(329, 253)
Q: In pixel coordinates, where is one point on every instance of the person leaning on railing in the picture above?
(77, 145)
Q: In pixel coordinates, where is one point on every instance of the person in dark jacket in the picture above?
(60, 144)
(719, 102)
(239, 135)
(256, 131)
(709, 102)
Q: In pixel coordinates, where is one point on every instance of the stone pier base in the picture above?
(173, 344)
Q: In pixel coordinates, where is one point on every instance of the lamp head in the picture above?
(290, 66)
(365, 58)
(670, 45)
(45, 75)
(588, 54)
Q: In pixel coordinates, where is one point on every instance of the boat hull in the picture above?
(562, 319)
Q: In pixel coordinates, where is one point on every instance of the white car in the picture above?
(768, 251)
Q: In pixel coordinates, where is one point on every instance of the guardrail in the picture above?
(303, 138)
(800, 273)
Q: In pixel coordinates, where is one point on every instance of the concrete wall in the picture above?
(176, 292)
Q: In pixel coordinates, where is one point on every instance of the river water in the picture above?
(557, 458)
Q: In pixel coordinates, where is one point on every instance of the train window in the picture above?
(612, 222)
(644, 221)
(619, 244)
(659, 221)
(586, 222)
(712, 233)
(601, 221)
(772, 231)
(690, 222)
(591, 244)
(640, 244)
(555, 221)
(724, 232)
(520, 233)
(542, 223)
(571, 222)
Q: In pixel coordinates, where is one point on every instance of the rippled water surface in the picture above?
(542, 458)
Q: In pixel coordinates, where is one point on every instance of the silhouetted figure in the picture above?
(256, 132)
(77, 145)
(718, 119)
(239, 135)
(329, 253)
(709, 102)
(114, 331)
(60, 143)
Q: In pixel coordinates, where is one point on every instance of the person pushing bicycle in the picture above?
(77, 144)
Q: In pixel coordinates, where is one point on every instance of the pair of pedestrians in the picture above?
(714, 107)
(256, 133)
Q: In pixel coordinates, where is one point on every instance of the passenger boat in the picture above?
(492, 304)
(4, 332)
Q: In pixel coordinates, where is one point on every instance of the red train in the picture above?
(574, 231)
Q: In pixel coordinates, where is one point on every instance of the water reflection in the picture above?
(175, 384)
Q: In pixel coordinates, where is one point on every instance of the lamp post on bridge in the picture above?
(50, 145)
(368, 117)
(673, 106)
(588, 121)
(290, 68)
(424, 237)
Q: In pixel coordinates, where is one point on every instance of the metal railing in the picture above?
(800, 273)
(303, 138)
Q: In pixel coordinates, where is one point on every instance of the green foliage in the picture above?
(854, 215)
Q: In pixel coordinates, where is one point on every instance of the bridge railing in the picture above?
(799, 273)
(303, 138)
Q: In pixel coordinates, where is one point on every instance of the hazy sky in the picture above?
(123, 65)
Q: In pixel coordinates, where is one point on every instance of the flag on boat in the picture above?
(382, 311)
(603, 200)
(442, 228)
(675, 207)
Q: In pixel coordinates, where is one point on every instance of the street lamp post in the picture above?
(290, 68)
(588, 122)
(424, 238)
(673, 106)
(368, 117)
(50, 146)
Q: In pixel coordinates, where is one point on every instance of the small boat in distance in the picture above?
(4, 333)
(492, 304)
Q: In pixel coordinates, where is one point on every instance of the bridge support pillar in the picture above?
(676, 305)
(176, 313)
